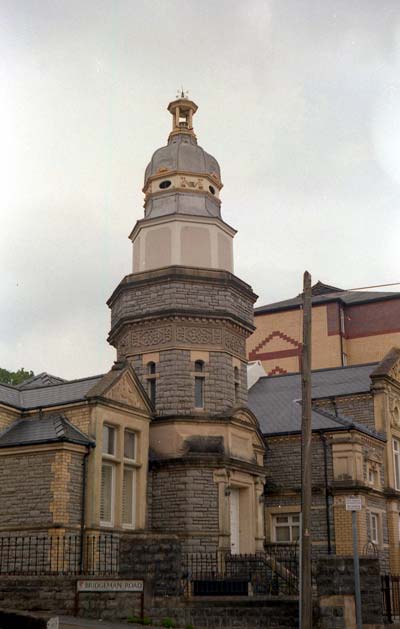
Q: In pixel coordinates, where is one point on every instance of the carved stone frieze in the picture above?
(198, 335)
(147, 337)
(150, 337)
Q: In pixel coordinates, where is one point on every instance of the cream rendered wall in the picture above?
(368, 349)
(193, 241)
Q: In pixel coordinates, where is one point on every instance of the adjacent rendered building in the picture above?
(349, 328)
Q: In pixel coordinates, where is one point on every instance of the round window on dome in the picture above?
(165, 184)
(211, 189)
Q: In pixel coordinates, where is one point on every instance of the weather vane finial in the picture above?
(182, 93)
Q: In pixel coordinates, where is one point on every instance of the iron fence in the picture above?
(390, 588)
(69, 554)
(213, 574)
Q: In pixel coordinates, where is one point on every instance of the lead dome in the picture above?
(182, 178)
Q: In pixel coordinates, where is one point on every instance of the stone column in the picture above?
(221, 477)
(259, 492)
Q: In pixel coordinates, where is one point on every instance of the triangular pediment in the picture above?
(122, 385)
(126, 391)
(389, 366)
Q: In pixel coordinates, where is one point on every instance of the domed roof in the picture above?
(195, 177)
(182, 153)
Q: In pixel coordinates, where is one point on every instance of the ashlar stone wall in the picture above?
(184, 501)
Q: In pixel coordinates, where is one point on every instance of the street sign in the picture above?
(353, 503)
(109, 585)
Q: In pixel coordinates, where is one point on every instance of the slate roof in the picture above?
(51, 428)
(323, 293)
(47, 395)
(43, 379)
(276, 400)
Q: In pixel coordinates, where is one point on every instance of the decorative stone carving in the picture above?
(151, 337)
(395, 372)
(191, 183)
(234, 343)
(146, 337)
(198, 335)
(125, 391)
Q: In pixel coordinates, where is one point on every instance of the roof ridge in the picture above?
(322, 369)
(66, 382)
(351, 423)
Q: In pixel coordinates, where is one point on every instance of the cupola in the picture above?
(182, 223)
(182, 178)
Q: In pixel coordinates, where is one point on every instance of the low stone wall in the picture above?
(229, 612)
(58, 595)
(157, 558)
(335, 584)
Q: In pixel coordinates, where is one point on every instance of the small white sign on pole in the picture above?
(353, 503)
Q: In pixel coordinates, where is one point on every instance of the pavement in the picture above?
(70, 622)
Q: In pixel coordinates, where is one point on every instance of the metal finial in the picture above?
(182, 93)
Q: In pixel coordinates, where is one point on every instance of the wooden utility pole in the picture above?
(306, 587)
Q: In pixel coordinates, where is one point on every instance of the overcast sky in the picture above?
(299, 100)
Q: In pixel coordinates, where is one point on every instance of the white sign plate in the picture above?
(109, 585)
(353, 503)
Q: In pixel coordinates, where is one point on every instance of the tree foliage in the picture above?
(15, 377)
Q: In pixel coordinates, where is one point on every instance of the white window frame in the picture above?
(115, 433)
(112, 505)
(290, 524)
(131, 432)
(132, 524)
(396, 463)
(374, 527)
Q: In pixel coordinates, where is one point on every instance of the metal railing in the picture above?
(69, 554)
(267, 573)
(390, 588)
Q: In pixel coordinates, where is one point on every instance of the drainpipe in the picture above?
(83, 508)
(328, 520)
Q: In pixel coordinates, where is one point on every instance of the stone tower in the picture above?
(182, 318)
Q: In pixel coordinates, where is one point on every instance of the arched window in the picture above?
(151, 381)
(236, 378)
(199, 384)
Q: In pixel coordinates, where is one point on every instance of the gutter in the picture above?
(83, 508)
(327, 505)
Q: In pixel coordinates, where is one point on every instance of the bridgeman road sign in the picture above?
(109, 585)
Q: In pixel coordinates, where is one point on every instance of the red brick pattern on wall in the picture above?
(380, 317)
(296, 351)
(276, 371)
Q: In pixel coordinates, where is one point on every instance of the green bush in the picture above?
(167, 622)
(139, 621)
(189, 626)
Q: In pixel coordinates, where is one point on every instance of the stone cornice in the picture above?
(183, 274)
(187, 218)
(208, 460)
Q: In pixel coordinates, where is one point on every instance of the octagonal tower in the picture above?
(182, 318)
